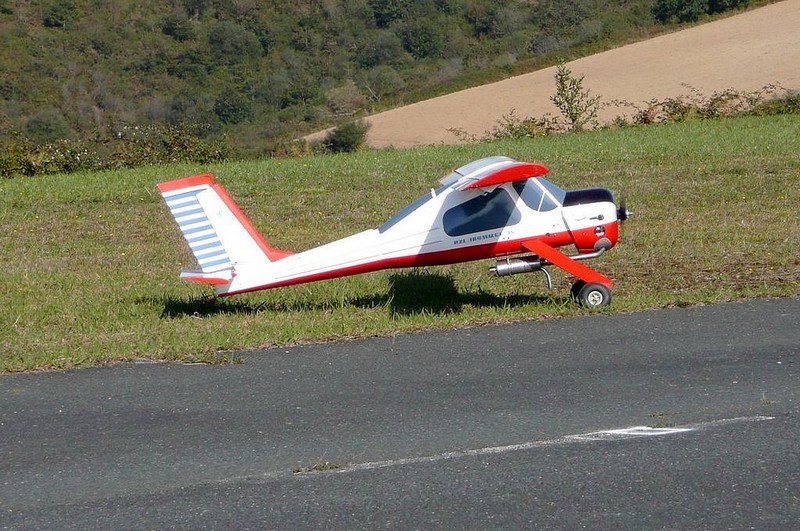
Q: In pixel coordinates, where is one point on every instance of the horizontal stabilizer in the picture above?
(217, 278)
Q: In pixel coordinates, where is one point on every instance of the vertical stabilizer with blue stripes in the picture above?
(220, 236)
(197, 229)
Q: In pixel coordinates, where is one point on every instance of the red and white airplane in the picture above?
(494, 207)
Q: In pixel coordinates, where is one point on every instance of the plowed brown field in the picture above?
(744, 52)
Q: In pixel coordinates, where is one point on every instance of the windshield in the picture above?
(557, 192)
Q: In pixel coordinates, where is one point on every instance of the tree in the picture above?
(231, 107)
(387, 11)
(231, 43)
(60, 13)
(47, 125)
(177, 26)
(423, 38)
(381, 81)
(719, 6)
(385, 48)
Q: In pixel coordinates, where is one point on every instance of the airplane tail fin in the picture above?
(219, 234)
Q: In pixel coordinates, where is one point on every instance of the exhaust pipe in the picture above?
(514, 266)
(525, 264)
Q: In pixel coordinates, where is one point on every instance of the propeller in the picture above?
(622, 212)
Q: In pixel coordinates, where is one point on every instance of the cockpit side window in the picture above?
(485, 212)
(533, 195)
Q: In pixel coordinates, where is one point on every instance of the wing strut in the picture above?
(557, 258)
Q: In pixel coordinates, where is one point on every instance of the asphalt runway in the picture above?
(672, 419)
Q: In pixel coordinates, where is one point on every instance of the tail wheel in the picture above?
(593, 295)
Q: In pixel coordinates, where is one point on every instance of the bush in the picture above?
(573, 101)
(512, 126)
(140, 146)
(60, 13)
(666, 11)
(47, 125)
(347, 138)
(177, 26)
(423, 38)
(14, 157)
(132, 146)
(231, 43)
(21, 156)
(789, 103)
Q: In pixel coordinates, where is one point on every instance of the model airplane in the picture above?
(494, 207)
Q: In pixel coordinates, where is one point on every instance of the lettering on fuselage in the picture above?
(474, 239)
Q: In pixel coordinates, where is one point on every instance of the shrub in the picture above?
(666, 11)
(231, 43)
(789, 103)
(423, 38)
(21, 156)
(155, 144)
(231, 107)
(177, 26)
(47, 125)
(60, 13)
(347, 137)
(574, 102)
(512, 126)
(14, 157)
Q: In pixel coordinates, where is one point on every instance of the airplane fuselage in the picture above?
(444, 227)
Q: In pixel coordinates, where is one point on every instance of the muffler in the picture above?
(514, 266)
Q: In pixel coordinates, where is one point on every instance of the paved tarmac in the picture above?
(517, 426)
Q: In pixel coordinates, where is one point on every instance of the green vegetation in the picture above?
(90, 260)
(666, 11)
(245, 78)
(347, 137)
(574, 102)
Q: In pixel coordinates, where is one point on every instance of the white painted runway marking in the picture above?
(636, 432)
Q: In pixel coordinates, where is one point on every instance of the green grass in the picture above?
(90, 261)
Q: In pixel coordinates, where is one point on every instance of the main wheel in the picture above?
(594, 295)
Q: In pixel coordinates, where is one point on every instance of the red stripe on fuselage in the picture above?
(450, 256)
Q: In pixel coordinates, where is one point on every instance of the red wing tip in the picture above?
(515, 172)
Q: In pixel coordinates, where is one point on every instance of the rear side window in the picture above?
(486, 212)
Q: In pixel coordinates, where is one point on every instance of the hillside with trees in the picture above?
(117, 80)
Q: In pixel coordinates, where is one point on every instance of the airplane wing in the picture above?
(492, 171)
(559, 259)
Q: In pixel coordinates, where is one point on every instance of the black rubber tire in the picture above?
(594, 296)
(576, 290)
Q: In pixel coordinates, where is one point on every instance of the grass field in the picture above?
(90, 261)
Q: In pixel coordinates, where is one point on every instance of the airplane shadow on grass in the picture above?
(410, 293)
